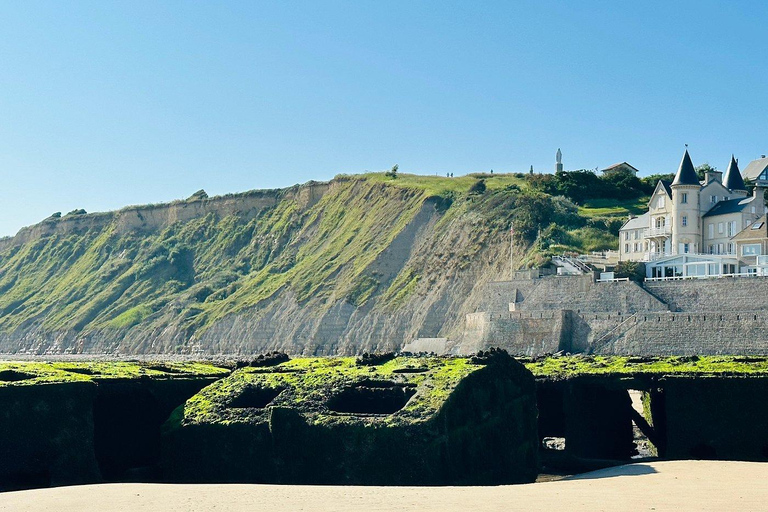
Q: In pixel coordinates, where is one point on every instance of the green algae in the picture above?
(23, 373)
(573, 366)
(307, 384)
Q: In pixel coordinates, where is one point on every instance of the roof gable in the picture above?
(639, 222)
(620, 166)
(756, 230)
(663, 185)
(755, 168)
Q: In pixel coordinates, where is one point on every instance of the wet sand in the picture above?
(659, 486)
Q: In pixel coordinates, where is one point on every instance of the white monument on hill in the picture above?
(558, 161)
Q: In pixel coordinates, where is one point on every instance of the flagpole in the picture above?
(511, 250)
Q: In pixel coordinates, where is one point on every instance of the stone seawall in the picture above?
(578, 293)
(645, 333)
(578, 315)
(521, 333)
(692, 333)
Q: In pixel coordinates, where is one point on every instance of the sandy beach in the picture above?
(659, 486)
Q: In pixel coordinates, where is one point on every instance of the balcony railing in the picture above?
(653, 256)
(662, 231)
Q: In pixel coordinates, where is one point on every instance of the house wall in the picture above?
(711, 190)
(632, 244)
(719, 242)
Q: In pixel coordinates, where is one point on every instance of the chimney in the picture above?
(711, 176)
(759, 193)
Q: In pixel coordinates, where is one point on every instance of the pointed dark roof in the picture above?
(732, 179)
(686, 174)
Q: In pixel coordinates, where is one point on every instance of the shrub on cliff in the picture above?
(200, 194)
(477, 187)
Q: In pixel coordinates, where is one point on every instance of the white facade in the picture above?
(689, 226)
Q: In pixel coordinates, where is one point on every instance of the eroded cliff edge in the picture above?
(353, 265)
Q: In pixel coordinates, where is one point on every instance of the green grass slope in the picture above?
(370, 243)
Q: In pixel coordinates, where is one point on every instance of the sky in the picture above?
(105, 104)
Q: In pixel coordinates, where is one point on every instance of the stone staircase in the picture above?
(571, 266)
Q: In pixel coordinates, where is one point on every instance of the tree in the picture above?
(703, 169)
(392, 173)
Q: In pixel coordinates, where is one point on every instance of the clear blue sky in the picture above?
(105, 104)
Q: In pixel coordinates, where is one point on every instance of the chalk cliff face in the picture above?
(357, 264)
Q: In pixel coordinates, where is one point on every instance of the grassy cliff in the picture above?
(361, 263)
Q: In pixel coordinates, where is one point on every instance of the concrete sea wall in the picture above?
(577, 314)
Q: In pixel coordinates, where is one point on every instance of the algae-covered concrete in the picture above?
(406, 421)
(705, 407)
(66, 423)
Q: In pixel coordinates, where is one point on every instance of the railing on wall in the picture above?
(716, 276)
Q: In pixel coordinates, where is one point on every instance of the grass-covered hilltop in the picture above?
(361, 263)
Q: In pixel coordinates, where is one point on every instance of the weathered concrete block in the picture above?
(73, 423)
(407, 421)
(712, 418)
(46, 435)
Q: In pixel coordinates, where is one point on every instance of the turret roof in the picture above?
(732, 178)
(686, 174)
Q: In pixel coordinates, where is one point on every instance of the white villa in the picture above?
(691, 227)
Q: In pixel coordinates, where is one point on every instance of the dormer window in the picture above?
(662, 201)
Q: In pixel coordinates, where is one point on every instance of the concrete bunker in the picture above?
(612, 417)
(712, 417)
(587, 419)
(127, 417)
(85, 423)
(460, 421)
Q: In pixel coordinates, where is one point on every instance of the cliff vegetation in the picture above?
(364, 262)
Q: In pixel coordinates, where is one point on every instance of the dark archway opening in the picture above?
(372, 398)
(14, 376)
(126, 421)
(255, 397)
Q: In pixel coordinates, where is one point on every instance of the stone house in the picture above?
(752, 247)
(757, 170)
(619, 168)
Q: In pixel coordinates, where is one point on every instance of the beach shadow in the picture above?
(626, 470)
